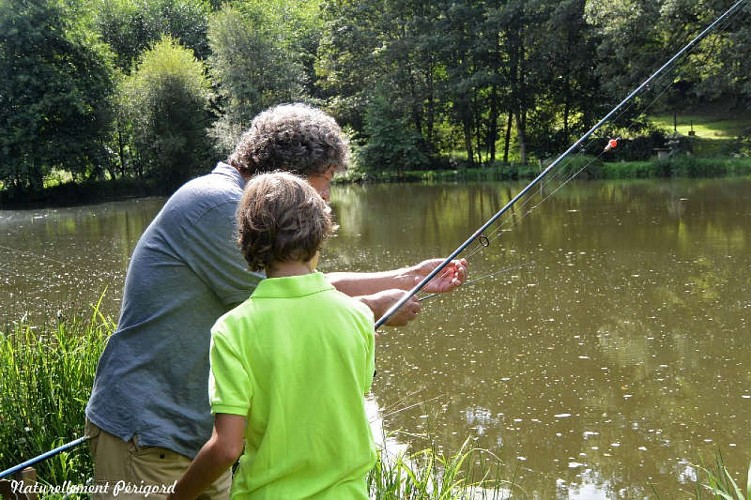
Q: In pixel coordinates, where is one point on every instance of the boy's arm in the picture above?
(381, 302)
(217, 455)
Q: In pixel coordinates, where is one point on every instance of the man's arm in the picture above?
(217, 455)
(380, 290)
(359, 284)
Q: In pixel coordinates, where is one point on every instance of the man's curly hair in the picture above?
(281, 218)
(292, 137)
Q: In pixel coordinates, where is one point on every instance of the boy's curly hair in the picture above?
(292, 137)
(281, 218)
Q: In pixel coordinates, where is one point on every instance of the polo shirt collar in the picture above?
(292, 286)
(229, 171)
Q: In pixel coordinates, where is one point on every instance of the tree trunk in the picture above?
(468, 142)
(492, 124)
(520, 134)
(566, 107)
(121, 150)
(430, 107)
(507, 140)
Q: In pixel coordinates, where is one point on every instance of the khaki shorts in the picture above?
(127, 471)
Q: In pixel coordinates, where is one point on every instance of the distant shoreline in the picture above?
(76, 194)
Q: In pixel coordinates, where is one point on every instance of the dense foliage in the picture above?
(111, 88)
(55, 85)
(165, 102)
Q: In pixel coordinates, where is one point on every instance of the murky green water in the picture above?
(609, 357)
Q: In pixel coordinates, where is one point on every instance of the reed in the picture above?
(721, 484)
(46, 374)
(430, 474)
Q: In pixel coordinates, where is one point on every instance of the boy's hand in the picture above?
(380, 302)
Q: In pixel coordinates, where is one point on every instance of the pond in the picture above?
(601, 350)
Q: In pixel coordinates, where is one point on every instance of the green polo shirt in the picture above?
(296, 359)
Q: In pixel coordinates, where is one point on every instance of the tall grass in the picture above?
(721, 485)
(429, 474)
(46, 374)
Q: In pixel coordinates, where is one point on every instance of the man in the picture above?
(148, 414)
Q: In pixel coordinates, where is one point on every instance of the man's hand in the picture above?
(449, 278)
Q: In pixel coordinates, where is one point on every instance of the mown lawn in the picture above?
(714, 132)
(706, 126)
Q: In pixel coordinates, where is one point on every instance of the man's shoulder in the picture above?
(217, 184)
(210, 192)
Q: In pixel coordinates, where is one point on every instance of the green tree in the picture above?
(409, 53)
(132, 26)
(391, 46)
(256, 63)
(55, 84)
(630, 45)
(718, 70)
(637, 37)
(494, 96)
(348, 63)
(564, 59)
(166, 100)
(393, 144)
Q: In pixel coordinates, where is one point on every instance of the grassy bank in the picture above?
(72, 193)
(713, 132)
(589, 168)
(679, 165)
(46, 372)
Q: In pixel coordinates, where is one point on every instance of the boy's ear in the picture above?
(313, 263)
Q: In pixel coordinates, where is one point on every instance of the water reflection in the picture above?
(609, 359)
(58, 258)
(601, 368)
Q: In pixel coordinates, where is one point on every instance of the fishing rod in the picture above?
(43, 456)
(478, 233)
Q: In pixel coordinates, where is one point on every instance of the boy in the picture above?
(290, 366)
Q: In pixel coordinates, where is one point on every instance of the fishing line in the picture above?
(576, 145)
(482, 278)
(34, 255)
(409, 397)
(663, 83)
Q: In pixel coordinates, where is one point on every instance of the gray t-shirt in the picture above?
(185, 272)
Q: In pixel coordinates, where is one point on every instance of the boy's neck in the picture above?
(291, 268)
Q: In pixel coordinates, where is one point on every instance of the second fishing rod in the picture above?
(479, 232)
